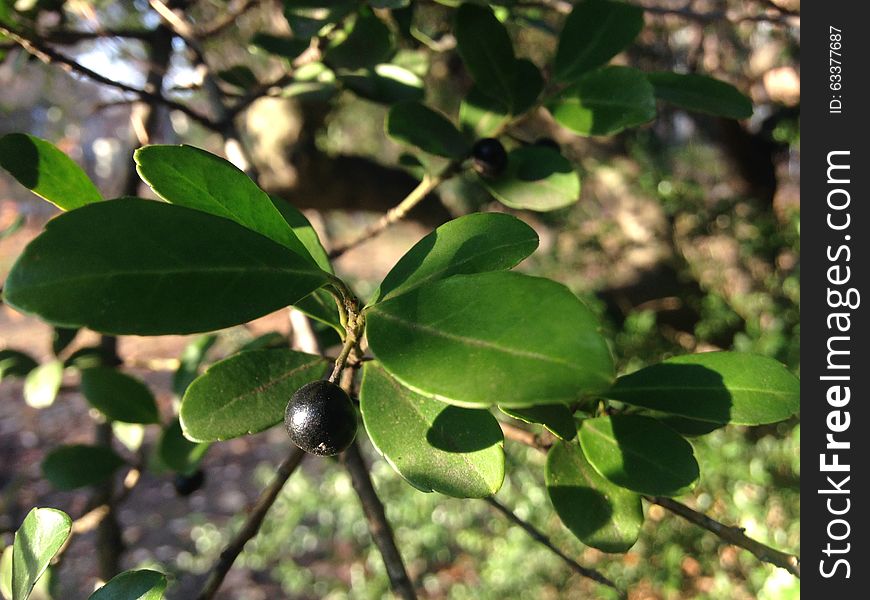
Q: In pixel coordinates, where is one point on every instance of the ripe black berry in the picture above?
(320, 418)
(547, 142)
(488, 157)
(185, 485)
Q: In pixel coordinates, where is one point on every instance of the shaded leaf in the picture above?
(536, 178)
(640, 454)
(133, 266)
(471, 340)
(14, 363)
(42, 384)
(143, 584)
(486, 49)
(605, 101)
(434, 446)
(245, 393)
(367, 42)
(595, 32)
(700, 93)
(320, 306)
(557, 418)
(285, 47)
(417, 125)
(303, 230)
(71, 467)
(484, 116)
(179, 453)
(600, 513)
(39, 538)
(191, 360)
(385, 83)
(308, 18)
(474, 243)
(720, 387)
(239, 76)
(46, 171)
(119, 396)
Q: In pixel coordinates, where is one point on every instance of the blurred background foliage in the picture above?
(687, 238)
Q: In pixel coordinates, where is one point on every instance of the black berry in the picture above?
(488, 157)
(185, 485)
(546, 142)
(321, 419)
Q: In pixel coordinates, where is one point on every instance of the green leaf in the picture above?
(605, 101)
(286, 47)
(6, 573)
(86, 357)
(191, 360)
(190, 177)
(683, 426)
(434, 446)
(42, 384)
(303, 230)
(491, 338)
(119, 396)
(595, 32)
(700, 93)
(245, 393)
(40, 536)
(321, 306)
(46, 171)
(364, 44)
(720, 387)
(557, 418)
(599, 513)
(134, 266)
(417, 125)
(239, 76)
(15, 364)
(536, 178)
(486, 49)
(385, 83)
(474, 243)
(143, 584)
(308, 18)
(71, 467)
(484, 116)
(177, 452)
(640, 454)
(61, 338)
(130, 435)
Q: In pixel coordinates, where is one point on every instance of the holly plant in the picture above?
(456, 350)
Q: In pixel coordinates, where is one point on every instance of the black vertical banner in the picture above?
(835, 370)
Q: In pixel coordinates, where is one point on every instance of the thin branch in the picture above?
(379, 527)
(68, 37)
(399, 211)
(50, 56)
(252, 524)
(732, 535)
(539, 537)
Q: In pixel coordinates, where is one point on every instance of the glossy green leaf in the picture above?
(474, 243)
(71, 467)
(40, 536)
(484, 116)
(15, 364)
(640, 454)
(179, 453)
(193, 178)
(595, 32)
(303, 230)
(721, 387)
(700, 93)
(143, 584)
(119, 396)
(557, 418)
(536, 178)
(321, 306)
(385, 83)
(434, 446)
(364, 44)
(492, 338)
(600, 513)
(245, 393)
(6, 573)
(605, 101)
(286, 47)
(191, 360)
(42, 384)
(417, 125)
(486, 49)
(46, 171)
(134, 266)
